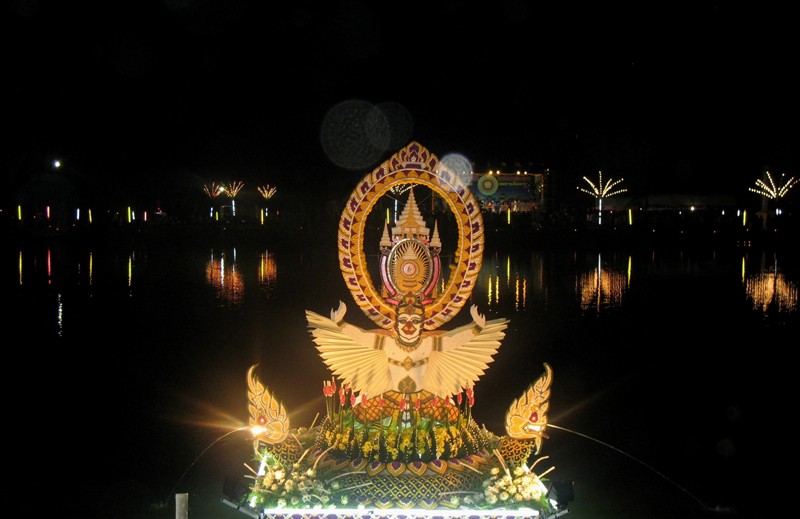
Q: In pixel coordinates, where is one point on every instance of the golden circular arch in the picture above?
(413, 164)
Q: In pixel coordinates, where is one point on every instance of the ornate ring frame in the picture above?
(413, 164)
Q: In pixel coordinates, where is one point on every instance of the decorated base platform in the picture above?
(302, 513)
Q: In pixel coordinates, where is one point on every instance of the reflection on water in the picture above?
(502, 280)
(769, 290)
(130, 269)
(54, 267)
(600, 282)
(602, 287)
(226, 276)
(267, 272)
(59, 316)
(74, 301)
(223, 275)
(506, 281)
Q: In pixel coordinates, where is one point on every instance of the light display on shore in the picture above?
(212, 191)
(771, 189)
(600, 191)
(232, 190)
(398, 433)
(396, 192)
(267, 191)
(774, 190)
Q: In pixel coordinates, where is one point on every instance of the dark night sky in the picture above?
(677, 96)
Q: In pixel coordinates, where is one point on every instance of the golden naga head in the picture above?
(526, 418)
(268, 419)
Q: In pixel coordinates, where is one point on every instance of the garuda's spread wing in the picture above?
(363, 368)
(526, 418)
(266, 412)
(450, 372)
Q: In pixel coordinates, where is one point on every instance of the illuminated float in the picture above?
(398, 437)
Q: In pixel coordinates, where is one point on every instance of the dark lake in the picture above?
(126, 363)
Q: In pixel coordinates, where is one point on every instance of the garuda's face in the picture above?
(409, 327)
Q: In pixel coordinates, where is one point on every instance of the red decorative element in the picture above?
(363, 398)
(261, 419)
(352, 399)
(534, 417)
(417, 404)
(459, 398)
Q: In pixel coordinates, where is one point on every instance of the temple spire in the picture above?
(386, 241)
(410, 224)
(436, 242)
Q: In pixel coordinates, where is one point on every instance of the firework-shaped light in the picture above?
(213, 190)
(267, 191)
(600, 191)
(232, 189)
(774, 190)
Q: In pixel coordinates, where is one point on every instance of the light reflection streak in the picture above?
(601, 288)
(628, 274)
(59, 315)
(130, 273)
(769, 290)
(19, 267)
(267, 272)
(513, 280)
(497, 289)
(225, 279)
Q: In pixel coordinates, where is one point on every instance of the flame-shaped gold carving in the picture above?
(266, 412)
(526, 418)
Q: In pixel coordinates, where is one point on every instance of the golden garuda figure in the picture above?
(404, 364)
(399, 430)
